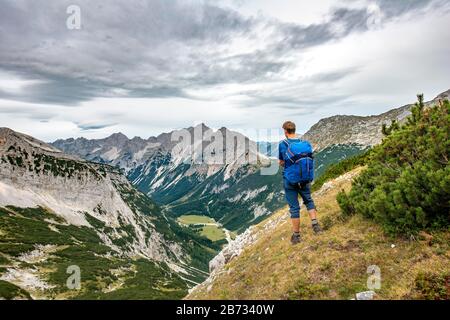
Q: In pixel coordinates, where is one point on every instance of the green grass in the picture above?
(199, 248)
(150, 282)
(340, 168)
(333, 265)
(213, 233)
(195, 219)
(10, 291)
(3, 260)
(432, 286)
(302, 289)
(23, 229)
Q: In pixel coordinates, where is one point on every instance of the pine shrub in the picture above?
(406, 186)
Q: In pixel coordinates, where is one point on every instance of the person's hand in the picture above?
(281, 163)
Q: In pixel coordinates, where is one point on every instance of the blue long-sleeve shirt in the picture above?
(282, 148)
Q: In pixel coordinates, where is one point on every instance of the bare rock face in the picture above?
(364, 131)
(233, 249)
(201, 151)
(242, 241)
(194, 167)
(33, 173)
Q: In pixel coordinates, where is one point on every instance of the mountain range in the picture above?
(110, 206)
(390, 241)
(59, 210)
(235, 193)
(228, 187)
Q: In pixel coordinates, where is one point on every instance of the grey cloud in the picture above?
(154, 48)
(303, 96)
(301, 112)
(334, 75)
(395, 7)
(239, 68)
(136, 46)
(56, 90)
(342, 22)
(94, 126)
(291, 102)
(158, 92)
(39, 114)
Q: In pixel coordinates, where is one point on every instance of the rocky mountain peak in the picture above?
(32, 174)
(71, 198)
(442, 96)
(359, 130)
(118, 136)
(12, 139)
(117, 139)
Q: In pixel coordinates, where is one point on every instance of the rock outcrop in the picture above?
(33, 173)
(364, 131)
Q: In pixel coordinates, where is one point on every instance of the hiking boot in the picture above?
(317, 229)
(295, 238)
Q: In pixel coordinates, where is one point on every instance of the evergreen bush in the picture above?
(406, 186)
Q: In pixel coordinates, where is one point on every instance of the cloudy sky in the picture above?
(145, 67)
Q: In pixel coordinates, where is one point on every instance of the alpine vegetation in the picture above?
(406, 186)
(59, 214)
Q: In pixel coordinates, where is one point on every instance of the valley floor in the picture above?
(209, 228)
(335, 264)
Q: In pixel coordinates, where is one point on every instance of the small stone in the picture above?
(366, 295)
(392, 246)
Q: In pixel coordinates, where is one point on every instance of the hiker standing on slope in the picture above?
(296, 157)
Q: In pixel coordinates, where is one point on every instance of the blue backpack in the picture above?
(300, 156)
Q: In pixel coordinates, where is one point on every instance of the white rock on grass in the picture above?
(366, 295)
(39, 254)
(26, 279)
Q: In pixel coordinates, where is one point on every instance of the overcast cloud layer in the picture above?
(143, 67)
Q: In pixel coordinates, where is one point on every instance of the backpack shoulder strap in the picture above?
(288, 151)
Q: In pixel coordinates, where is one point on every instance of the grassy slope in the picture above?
(330, 266)
(22, 229)
(81, 246)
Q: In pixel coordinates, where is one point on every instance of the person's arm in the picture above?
(280, 156)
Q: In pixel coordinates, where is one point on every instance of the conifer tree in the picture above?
(406, 186)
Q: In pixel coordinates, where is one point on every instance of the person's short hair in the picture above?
(289, 126)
